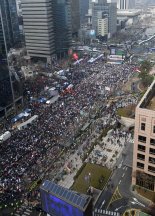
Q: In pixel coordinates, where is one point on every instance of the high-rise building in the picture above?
(143, 173)
(110, 10)
(10, 23)
(62, 25)
(102, 28)
(125, 4)
(75, 17)
(84, 6)
(38, 28)
(9, 37)
(47, 27)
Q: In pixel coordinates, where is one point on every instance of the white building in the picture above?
(125, 4)
(103, 26)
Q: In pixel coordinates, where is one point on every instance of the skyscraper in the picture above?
(10, 23)
(9, 37)
(38, 28)
(75, 17)
(47, 27)
(84, 6)
(62, 25)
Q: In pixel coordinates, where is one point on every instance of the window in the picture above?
(152, 141)
(151, 169)
(142, 139)
(152, 160)
(141, 148)
(152, 151)
(143, 126)
(140, 165)
(140, 156)
(154, 129)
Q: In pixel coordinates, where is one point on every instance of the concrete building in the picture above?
(109, 9)
(132, 16)
(75, 17)
(143, 173)
(102, 26)
(38, 28)
(126, 4)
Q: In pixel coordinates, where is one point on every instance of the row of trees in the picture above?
(145, 76)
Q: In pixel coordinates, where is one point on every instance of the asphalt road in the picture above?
(118, 197)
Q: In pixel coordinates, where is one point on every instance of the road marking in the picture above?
(116, 196)
(120, 181)
(123, 175)
(124, 167)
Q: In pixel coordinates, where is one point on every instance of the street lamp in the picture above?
(89, 174)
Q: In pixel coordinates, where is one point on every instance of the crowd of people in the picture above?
(26, 156)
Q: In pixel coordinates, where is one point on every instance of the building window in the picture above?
(152, 151)
(141, 148)
(140, 165)
(152, 141)
(151, 169)
(142, 139)
(152, 160)
(140, 156)
(143, 126)
(154, 129)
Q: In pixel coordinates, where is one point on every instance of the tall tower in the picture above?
(10, 22)
(62, 25)
(38, 28)
(75, 17)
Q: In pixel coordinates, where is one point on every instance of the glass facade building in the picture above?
(10, 24)
(62, 25)
(9, 37)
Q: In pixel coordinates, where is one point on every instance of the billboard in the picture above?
(54, 206)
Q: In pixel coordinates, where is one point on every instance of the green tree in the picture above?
(144, 74)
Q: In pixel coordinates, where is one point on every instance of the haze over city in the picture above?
(77, 107)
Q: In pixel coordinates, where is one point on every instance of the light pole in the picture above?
(89, 174)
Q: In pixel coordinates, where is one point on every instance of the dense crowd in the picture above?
(29, 152)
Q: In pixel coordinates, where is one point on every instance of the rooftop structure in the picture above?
(71, 202)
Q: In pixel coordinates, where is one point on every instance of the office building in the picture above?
(75, 17)
(103, 8)
(47, 27)
(38, 28)
(57, 200)
(62, 26)
(9, 37)
(10, 24)
(102, 28)
(84, 6)
(143, 173)
(125, 4)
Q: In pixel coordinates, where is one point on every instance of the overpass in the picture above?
(147, 40)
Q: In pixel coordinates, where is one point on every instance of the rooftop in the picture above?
(148, 100)
(78, 200)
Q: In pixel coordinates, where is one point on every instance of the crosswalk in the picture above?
(24, 211)
(101, 212)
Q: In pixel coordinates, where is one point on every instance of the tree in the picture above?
(144, 74)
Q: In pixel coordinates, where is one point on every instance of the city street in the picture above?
(118, 195)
